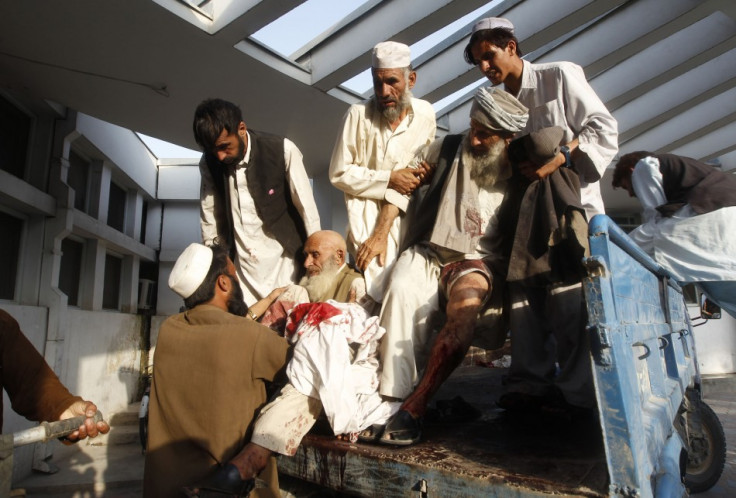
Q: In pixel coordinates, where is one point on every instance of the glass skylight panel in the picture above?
(299, 26)
(362, 82)
(204, 7)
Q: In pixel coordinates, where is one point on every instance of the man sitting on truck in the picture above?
(689, 219)
(328, 276)
(451, 252)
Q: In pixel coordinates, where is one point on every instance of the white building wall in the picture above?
(180, 228)
(124, 148)
(102, 357)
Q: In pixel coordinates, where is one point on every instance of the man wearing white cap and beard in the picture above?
(452, 251)
(378, 140)
(212, 364)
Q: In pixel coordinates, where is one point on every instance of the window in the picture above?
(111, 292)
(77, 179)
(144, 222)
(71, 270)
(15, 129)
(11, 229)
(116, 207)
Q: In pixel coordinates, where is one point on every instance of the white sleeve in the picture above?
(646, 181)
(347, 172)
(429, 153)
(207, 221)
(593, 125)
(301, 190)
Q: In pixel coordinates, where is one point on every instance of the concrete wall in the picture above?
(100, 361)
(102, 357)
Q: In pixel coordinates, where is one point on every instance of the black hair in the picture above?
(499, 37)
(206, 290)
(622, 169)
(211, 117)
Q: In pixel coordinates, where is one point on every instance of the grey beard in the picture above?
(485, 170)
(392, 113)
(317, 285)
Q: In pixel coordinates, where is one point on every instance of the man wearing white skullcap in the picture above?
(451, 253)
(557, 94)
(209, 382)
(372, 153)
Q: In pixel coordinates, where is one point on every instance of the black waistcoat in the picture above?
(268, 184)
(425, 201)
(687, 181)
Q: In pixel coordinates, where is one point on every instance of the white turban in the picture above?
(391, 55)
(497, 110)
(190, 269)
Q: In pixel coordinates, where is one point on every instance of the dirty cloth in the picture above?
(334, 364)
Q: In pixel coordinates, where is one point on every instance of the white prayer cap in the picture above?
(498, 110)
(391, 55)
(493, 23)
(190, 269)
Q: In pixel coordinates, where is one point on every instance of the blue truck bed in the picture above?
(645, 370)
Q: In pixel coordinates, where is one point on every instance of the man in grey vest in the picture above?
(255, 197)
(452, 252)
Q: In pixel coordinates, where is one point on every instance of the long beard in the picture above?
(318, 285)
(486, 169)
(393, 113)
(235, 302)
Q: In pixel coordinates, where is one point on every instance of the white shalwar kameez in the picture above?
(335, 365)
(262, 265)
(557, 94)
(365, 154)
(695, 248)
(412, 297)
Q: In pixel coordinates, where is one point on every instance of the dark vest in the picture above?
(340, 289)
(269, 187)
(687, 181)
(425, 201)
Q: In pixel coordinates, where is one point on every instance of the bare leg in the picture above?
(251, 460)
(453, 341)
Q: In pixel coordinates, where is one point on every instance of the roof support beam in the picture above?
(676, 111)
(662, 78)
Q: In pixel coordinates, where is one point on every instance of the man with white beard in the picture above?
(378, 140)
(328, 276)
(452, 250)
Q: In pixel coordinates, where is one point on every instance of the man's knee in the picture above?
(468, 292)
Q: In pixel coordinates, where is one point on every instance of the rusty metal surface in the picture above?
(493, 455)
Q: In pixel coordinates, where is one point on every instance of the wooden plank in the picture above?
(491, 456)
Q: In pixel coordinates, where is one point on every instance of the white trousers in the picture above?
(410, 302)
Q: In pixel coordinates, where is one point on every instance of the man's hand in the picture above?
(424, 172)
(404, 180)
(532, 173)
(274, 294)
(88, 428)
(375, 245)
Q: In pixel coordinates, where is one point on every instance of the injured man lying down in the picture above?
(333, 369)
